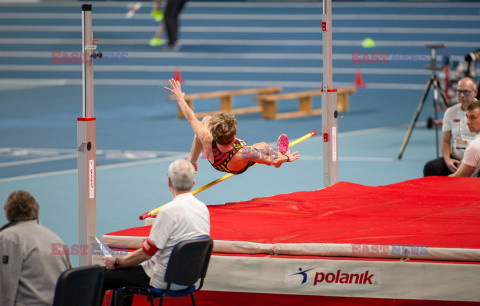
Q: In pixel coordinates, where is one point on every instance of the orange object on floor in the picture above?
(177, 75)
(359, 80)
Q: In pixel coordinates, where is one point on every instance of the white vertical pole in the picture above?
(86, 147)
(329, 102)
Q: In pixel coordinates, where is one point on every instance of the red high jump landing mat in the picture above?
(414, 242)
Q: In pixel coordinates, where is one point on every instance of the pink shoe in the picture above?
(282, 143)
(195, 165)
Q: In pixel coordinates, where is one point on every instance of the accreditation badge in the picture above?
(461, 144)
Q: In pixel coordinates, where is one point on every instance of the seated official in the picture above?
(28, 269)
(184, 218)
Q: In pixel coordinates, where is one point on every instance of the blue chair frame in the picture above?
(188, 263)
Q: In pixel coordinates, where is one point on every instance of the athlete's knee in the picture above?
(429, 169)
(261, 146)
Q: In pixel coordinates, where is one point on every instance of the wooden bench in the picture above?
(226, 100)
(305, 100)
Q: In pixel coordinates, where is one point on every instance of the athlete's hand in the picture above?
(292, 156)
(176, 89)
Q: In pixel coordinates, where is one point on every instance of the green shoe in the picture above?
(155, 42)
(157, 15)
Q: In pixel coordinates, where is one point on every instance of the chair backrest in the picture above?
(80, 286)
(189, 261)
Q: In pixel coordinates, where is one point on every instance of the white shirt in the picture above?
(455, 121)
(184, 218)
(472, 155)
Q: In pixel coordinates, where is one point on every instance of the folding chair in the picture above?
(79, 286)
(187, 264)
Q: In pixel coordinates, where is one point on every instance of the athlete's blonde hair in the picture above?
(223, 128)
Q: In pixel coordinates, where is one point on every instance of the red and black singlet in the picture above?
(221, 159)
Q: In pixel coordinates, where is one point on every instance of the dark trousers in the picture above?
(172, 10)
(130, 276)
(436, 167)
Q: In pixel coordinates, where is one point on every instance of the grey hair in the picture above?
(181, 174)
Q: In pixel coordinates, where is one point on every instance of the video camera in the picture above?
(473, 56)
(461, 69)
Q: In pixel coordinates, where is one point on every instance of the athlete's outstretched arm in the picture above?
(200, 130)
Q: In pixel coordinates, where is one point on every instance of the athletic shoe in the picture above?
(172, 48)
(157, 15)
(155, 42)
(282, 143)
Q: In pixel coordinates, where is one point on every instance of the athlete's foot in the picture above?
(282, 145)
(155, 42)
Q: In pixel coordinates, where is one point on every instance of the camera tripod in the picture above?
(437, 91)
